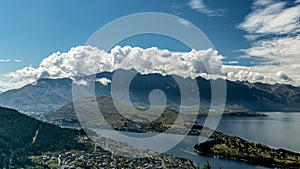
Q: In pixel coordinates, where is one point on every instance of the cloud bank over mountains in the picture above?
(89, 60)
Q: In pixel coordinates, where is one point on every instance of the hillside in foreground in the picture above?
(22, 136)
(29, 143)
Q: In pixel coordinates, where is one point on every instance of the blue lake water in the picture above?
(278, 130)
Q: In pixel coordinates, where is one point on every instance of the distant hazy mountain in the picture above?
(43, 95)
(51, 94)
(264, 97)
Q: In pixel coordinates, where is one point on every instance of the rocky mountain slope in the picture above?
(51, 94)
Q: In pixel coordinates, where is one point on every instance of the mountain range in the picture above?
(48, 95)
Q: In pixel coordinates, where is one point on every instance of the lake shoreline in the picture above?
(235, 148)
(270, 118)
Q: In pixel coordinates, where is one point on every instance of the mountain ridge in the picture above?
(51, 94)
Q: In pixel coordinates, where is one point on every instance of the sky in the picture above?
(256, 41)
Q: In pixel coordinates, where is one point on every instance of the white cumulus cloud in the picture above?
(104, 81)
(282, 76)
(266, 74)
(89, 60)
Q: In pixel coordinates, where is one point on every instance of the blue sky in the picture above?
(32, 30)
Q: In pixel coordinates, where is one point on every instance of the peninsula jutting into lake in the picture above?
(236, 148)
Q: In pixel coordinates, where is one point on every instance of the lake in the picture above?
(279, 130)
(276, 130)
